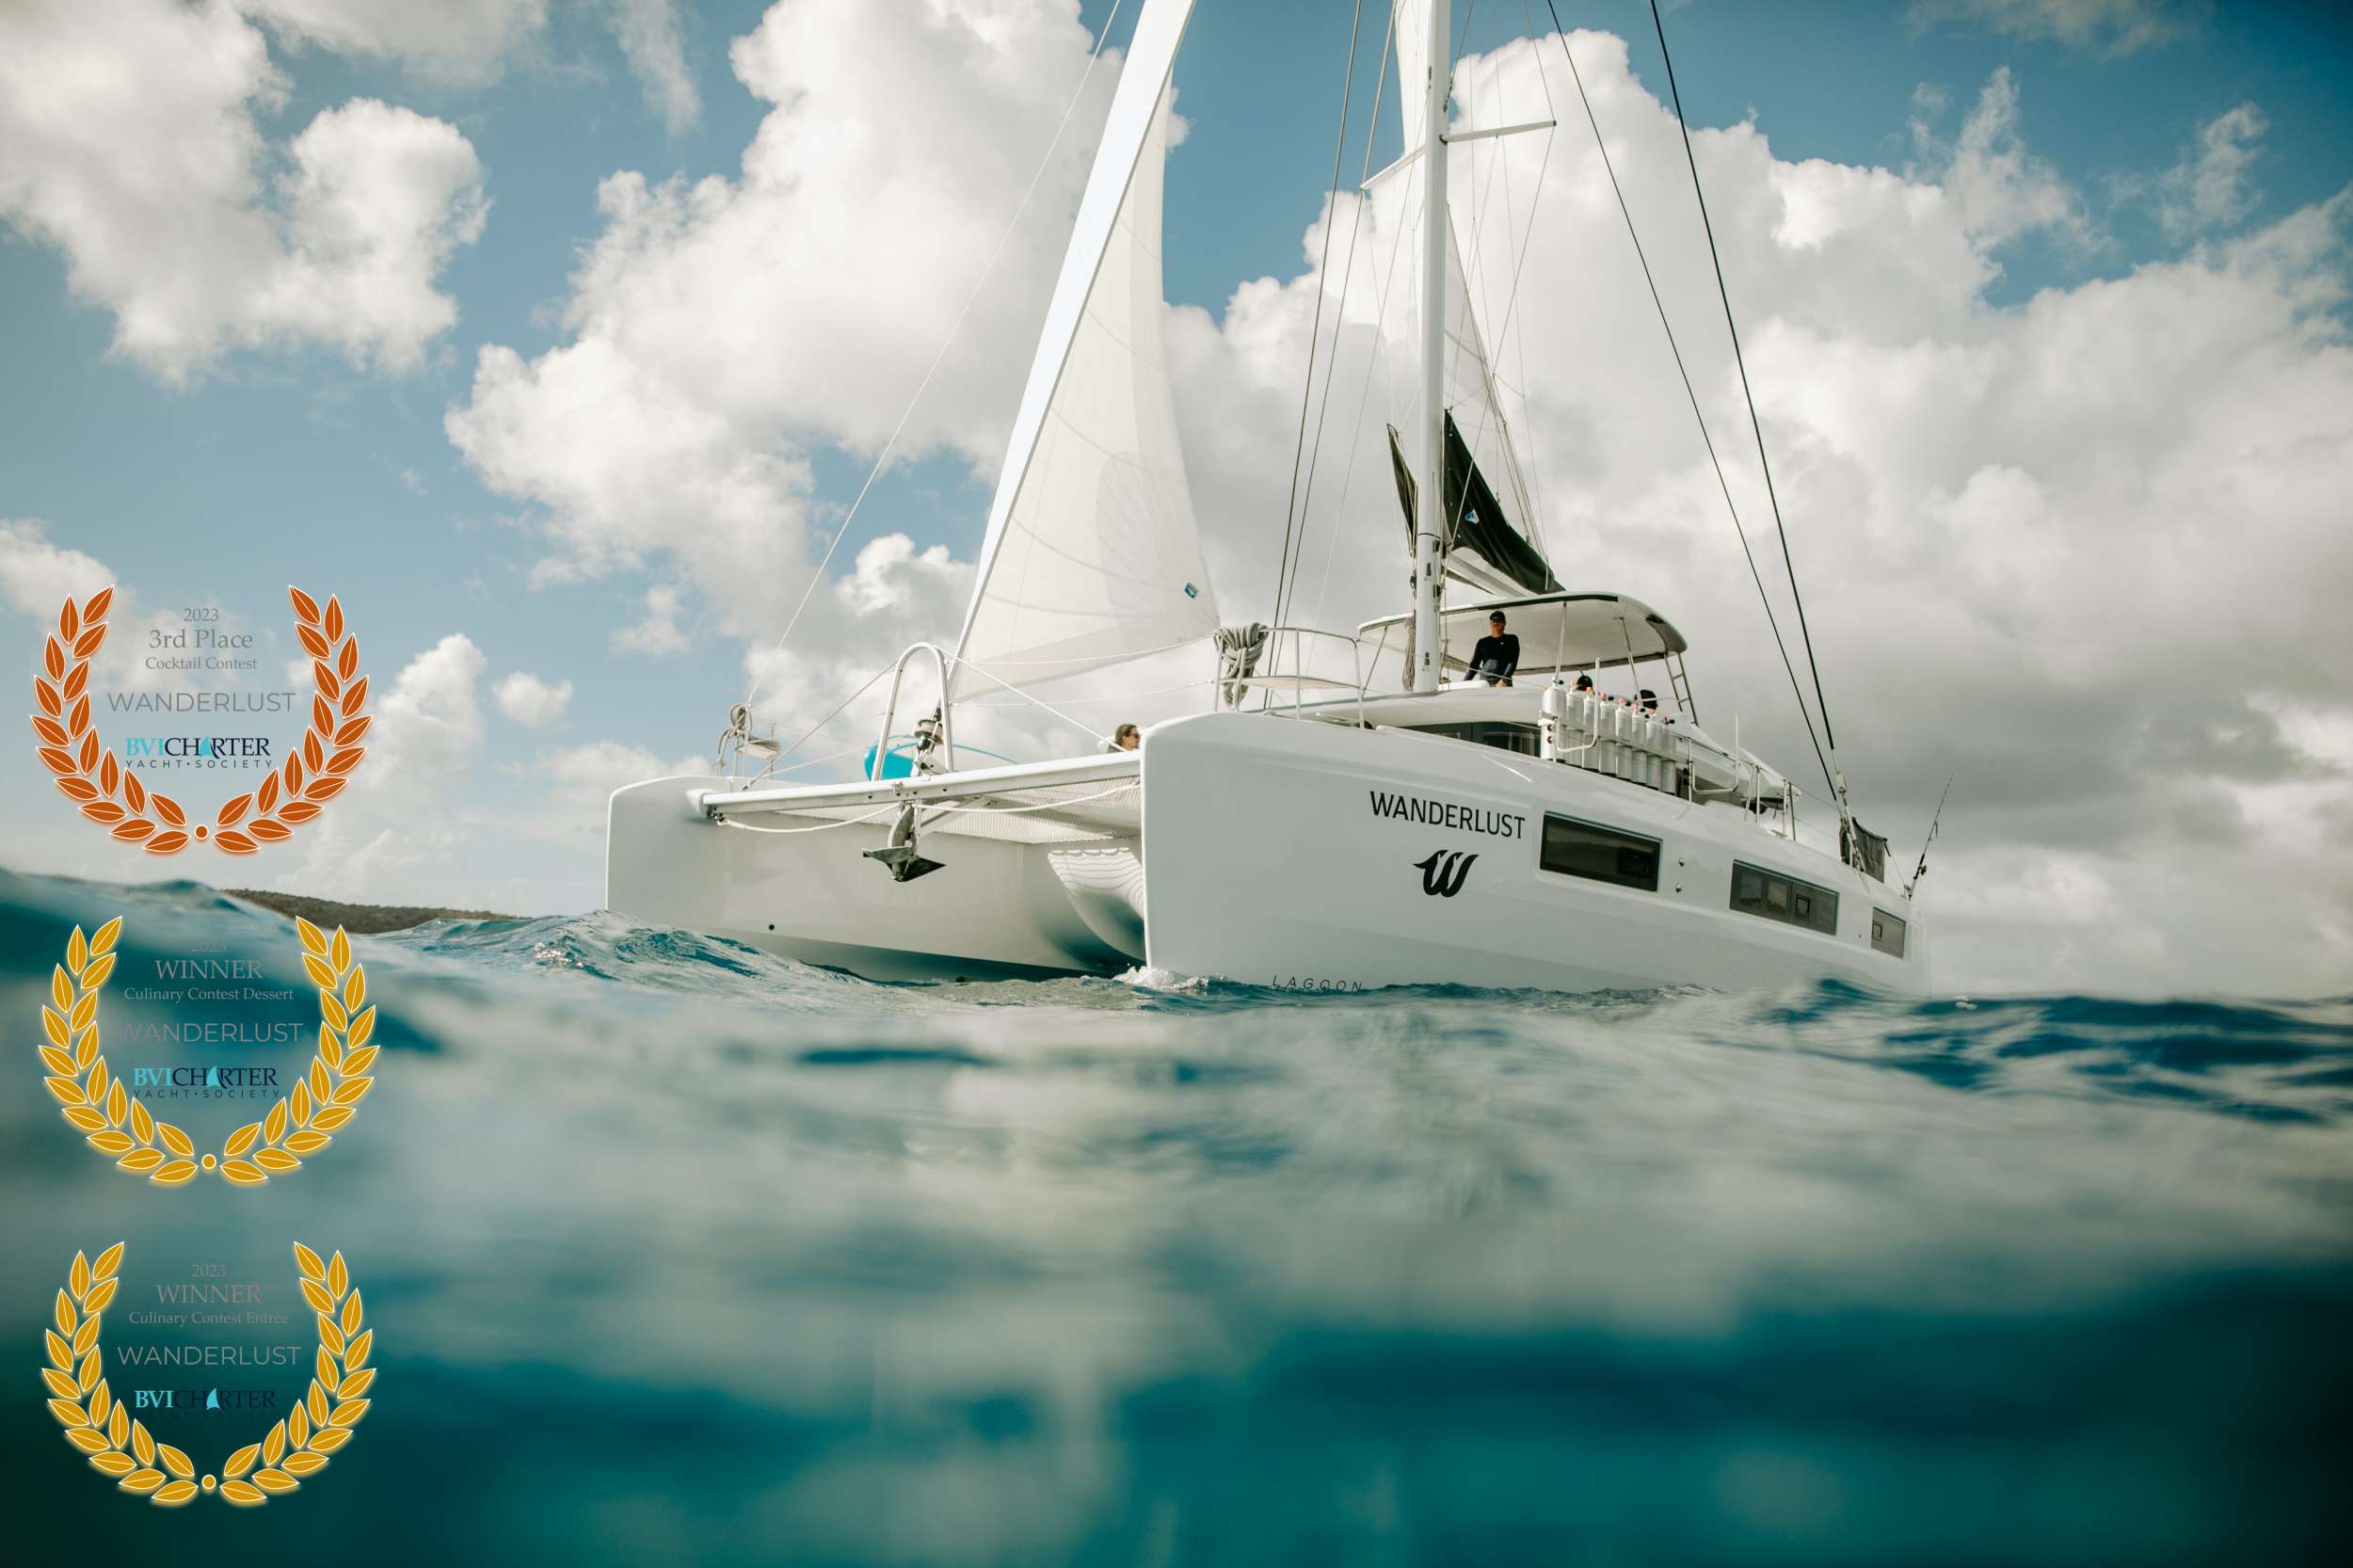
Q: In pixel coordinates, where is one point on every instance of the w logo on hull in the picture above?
(1442, 875)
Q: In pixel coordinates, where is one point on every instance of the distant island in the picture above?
(360, 919)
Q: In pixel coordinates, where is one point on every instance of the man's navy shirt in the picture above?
(1496, 656)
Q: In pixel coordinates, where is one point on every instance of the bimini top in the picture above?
(1564, 631)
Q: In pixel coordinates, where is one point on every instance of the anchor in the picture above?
(901, 855)
(905, 861)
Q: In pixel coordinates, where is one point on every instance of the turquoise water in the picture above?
(679, 1254)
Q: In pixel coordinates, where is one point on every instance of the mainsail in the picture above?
(1483, 548)
(1092, 554)
(1477, 435)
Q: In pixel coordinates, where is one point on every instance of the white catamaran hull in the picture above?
(1273, 852)
(999, 909)
(1325, 857)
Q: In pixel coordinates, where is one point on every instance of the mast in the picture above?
(1429, 524)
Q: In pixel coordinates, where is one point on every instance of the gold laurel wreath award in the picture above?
(299, 1125)
(112, 795)
(295, 1449)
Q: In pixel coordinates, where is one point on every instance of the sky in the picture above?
(556, 337)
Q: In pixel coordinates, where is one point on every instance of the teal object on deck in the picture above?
(900, 762)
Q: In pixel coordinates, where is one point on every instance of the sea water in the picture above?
(681, 1253)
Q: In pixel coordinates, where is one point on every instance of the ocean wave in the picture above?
(1808, 1275)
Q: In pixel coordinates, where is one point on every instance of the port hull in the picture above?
(996, 910)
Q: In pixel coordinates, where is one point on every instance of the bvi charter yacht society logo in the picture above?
(111, 792)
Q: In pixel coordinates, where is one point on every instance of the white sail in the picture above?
(1473, 394)
(1412, 32)
(1093, 554)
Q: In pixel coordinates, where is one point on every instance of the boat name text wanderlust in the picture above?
(1442, 813)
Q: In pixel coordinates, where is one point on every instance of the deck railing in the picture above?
(1299, 680)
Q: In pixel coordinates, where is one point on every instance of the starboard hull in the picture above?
(1326, 857)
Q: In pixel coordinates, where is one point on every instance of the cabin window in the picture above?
(1757, 892)
(1599, 854)
(1888, 933)
(1520, 738)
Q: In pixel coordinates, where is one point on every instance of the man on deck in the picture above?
(1498, 654)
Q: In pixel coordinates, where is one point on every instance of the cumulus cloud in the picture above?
(892, 596)
(2209, 188)
(647, 32)
(656, 629)
(723, 328)
(2107, 27)
(420, 808)
(430, 721)
(471, 43)
(38, 574)
(378, 199)
(530, 701)
(130, 140)
(575, 782)
(1996, 187)
(464, 41)
(396, 835)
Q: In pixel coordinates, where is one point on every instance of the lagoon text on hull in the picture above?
(1339, 809)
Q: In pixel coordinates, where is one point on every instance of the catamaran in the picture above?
(1352, 808)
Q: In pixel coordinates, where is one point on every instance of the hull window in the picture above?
(1888, 933)
(1756, 891)
(1599, 854)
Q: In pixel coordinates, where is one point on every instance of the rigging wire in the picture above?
(883, 457)
(1519, 331)
(1683, 371)
(1376, 363)
(1314, 332)
(1756, 425)
(1286, 584)
(821, 724)
(1492, 384)
(1285, 578)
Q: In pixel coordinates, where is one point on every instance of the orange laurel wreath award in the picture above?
(111, 794)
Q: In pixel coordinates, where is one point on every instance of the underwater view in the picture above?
(675, 1252)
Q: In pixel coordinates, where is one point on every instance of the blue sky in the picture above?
(1822, 81)
(288, 462)
(297, 456)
